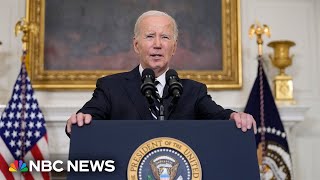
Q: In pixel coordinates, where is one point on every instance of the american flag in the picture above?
(23, 134)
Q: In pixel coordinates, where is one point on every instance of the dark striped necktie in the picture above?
(154, 107)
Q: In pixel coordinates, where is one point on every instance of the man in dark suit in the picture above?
(118, 96)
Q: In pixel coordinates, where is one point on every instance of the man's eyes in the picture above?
(152, 36)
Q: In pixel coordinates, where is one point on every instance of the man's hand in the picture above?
(79, 119)
(244, 121)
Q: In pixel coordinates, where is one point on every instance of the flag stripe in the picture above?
(5, 152)
(28, 176)
(2, 176)
(43, 147)
(27, 158)
(5, 169)
(7, 159)
(36, 153)
(46, 136)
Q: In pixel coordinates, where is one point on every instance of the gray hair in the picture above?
(155, 13)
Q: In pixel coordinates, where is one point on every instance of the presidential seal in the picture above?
(164, 158)
(276, 164)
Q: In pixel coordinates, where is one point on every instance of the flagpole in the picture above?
(258, 30)
(25, 27)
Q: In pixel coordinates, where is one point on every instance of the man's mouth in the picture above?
(156, 55)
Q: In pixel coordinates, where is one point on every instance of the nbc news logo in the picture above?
(77, 166)
(18, 165)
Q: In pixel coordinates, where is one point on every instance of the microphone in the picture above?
(173, 81)
(148, 88)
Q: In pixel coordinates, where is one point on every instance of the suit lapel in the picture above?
(132, 87)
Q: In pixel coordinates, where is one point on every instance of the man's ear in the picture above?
(135, 45)
(175, 47)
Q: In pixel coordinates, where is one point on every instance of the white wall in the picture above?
(10, 13)
(296, 20)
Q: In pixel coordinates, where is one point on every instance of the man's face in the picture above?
(155, 43)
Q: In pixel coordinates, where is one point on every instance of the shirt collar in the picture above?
(161, 78)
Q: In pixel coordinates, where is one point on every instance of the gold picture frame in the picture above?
(229, 76)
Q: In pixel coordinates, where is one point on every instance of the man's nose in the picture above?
(157, 43)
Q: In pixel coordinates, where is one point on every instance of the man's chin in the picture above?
(157, 66)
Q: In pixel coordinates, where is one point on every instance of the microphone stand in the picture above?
(161, 110)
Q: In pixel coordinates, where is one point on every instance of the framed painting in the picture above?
(80, 40)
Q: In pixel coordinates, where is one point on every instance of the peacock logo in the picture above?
(18, 164)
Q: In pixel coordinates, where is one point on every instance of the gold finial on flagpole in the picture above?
(258, 30)
(26, 27)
